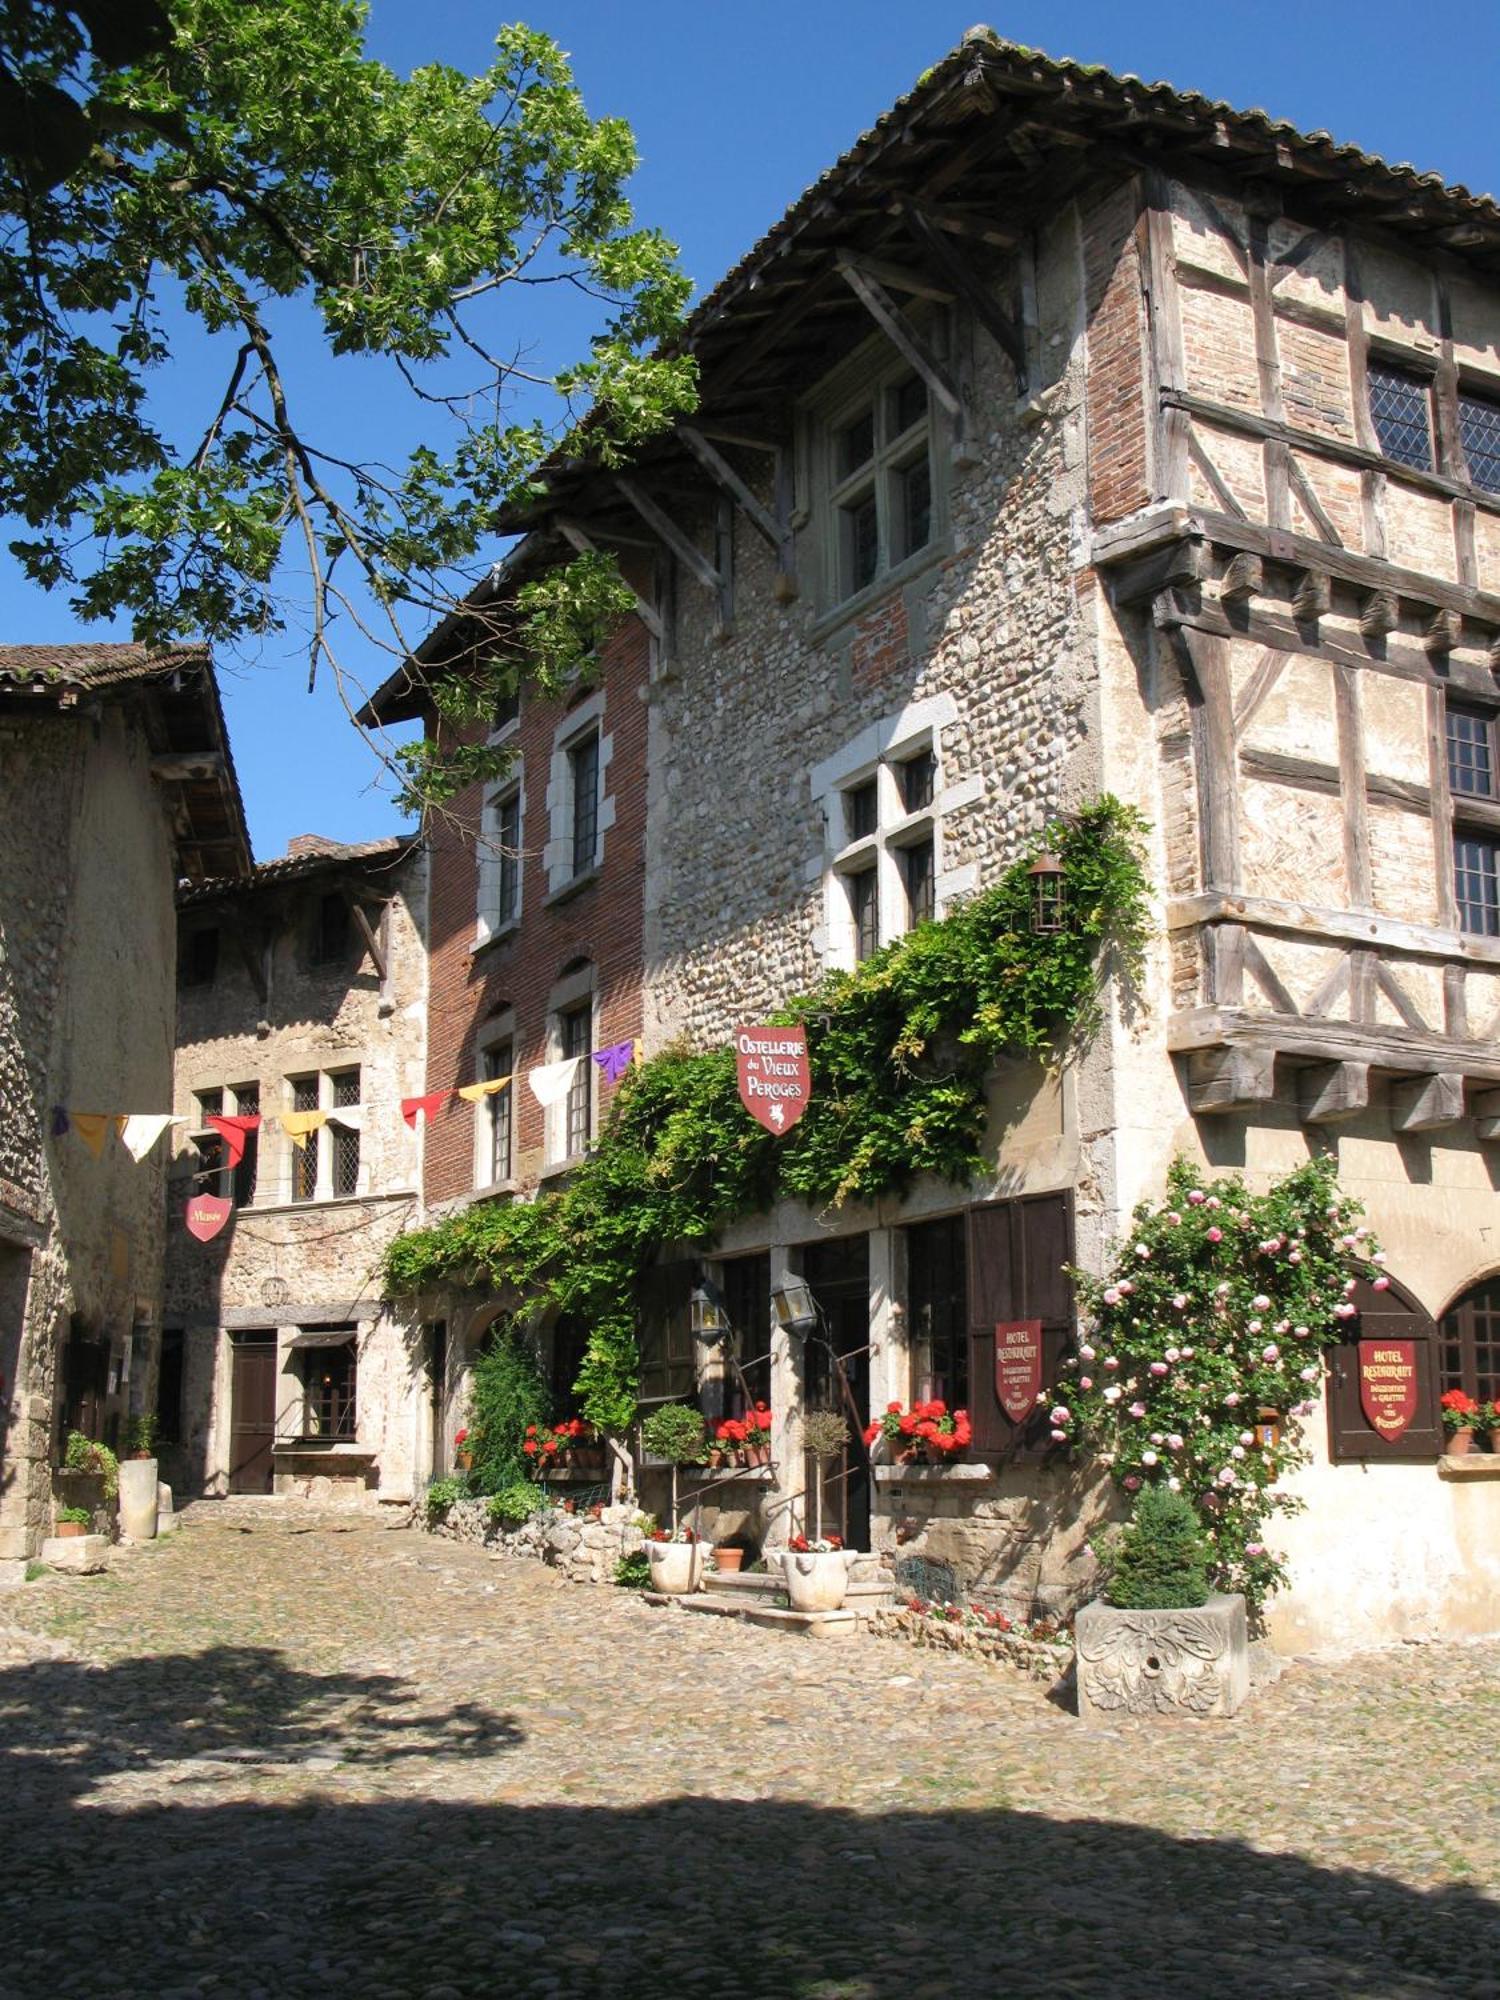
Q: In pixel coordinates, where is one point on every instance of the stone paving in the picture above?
(288, 1754)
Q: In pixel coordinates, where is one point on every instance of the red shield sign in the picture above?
(207, 1214)
(1018, 1366)
(774, 1077)
(1388, 1385)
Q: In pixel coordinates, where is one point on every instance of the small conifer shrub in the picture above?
(1161, 1560)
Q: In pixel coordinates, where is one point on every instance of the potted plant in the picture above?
(927, 1430)
(676, 1559)
(729, 1442)
(676, 1433)
(728, 1558)
(1159, 1641)
(1489, 1423)
(816, 1568)
(463, 1457)
(72, 1521)
(1461, 1418)
(138, 1480)
(82, 1454)
(758, 1436)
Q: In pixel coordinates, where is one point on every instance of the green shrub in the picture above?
(80, 1515)
(442, 1493)
(675, 1432)
(141, 1435)
(1161, 1560)
(633, 1572)
(508, 1392)
(516, 1502)
(82, 1454)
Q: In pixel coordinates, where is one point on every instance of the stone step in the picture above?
(868, 1591)
(769, 1617)
(79, 1555)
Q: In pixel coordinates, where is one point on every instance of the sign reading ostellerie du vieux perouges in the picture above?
(774, 1076)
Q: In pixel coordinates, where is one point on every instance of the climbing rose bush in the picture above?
(1218, 1307)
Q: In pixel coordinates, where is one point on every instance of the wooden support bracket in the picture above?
(1487, 1114)
(186, 764)
(1379, 613)
(1230, 1079)
(907, 342)
(578, 537)
(1329, 1092)
(373, 944)
(686, 551)
(1312, 596)
(959, 272)
(1444, 630)
(1422, 1103)
(1244, 578)
(775, 529)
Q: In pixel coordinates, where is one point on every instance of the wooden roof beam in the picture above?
(775, 529)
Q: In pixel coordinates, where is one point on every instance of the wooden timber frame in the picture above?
(1199, 581)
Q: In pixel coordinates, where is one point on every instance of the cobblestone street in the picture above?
(283, 1754)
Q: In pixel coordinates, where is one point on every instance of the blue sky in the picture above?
(737, 107)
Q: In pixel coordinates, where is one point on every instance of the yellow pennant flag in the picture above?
(474, 1091)
(297, 1124)
(93, 1128)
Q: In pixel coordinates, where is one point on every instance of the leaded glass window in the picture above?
(1400, 409)
(1479, 427)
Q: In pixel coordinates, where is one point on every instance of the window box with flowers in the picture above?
(927, 1433)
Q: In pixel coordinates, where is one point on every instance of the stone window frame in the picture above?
(1473, 816)
(491, 920)
(557, 856)
(350, 1115)
(568, 994)
(878, 752)
(234, 1100)
(498, 1031)
(864, 378)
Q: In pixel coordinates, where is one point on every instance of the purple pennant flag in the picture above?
(615, 1060)
(59, 1122)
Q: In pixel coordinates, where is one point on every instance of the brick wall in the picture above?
(600, 922)
(1118, 471)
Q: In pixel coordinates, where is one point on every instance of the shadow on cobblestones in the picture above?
(64, 1723)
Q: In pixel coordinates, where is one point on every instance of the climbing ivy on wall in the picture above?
(900, 1050)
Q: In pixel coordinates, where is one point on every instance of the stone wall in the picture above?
(86, 965)
(584, 1550)
(288, 1267)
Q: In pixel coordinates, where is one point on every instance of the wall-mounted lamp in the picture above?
(793, 1306)
(1047, 911)
(710, 1321)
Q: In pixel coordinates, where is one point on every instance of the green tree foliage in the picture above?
(900, 1050)
(1161, 1561)
(507, 1392)
(212, 161)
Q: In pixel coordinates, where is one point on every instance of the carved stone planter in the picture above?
(817, 1582)
(676, 1567)
(1189, 1662)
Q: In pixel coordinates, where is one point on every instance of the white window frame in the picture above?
(557, 857)
(490, 923)
(569, 993)
(863, 380)
(498, 1029)
(878, 752)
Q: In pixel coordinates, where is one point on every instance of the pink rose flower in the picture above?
(1380, 1285)
(1148, 1458)
(1232, 1398)
(1174, 1441)
(1270, 1352)
(1158, 1368)
(1138, 1410)
(1112, 1295)
(1343, 1310)
(1216, 1235)
(1195, 1197)
(1110, 1361)
(1260, 1303)
(1131, 1483)
(1085, 1381)
(1179, 1299)
(1112, 1394)
(1173, 1353)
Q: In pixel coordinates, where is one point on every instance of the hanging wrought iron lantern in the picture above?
(793, 1306)
(1047, 906)
(710, 1321)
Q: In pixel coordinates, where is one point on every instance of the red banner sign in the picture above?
(207, 1214)
(774, 1077)
(1388, 1385)
(1018, 1366)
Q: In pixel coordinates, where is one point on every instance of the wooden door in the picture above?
(437, 1390)
(252, 1419)
(1019, 1254)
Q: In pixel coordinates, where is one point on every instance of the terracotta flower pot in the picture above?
(1494, 1438)
(1460, 1442)
(68, 1530)
(757, 1454)
(463, 1460)
(728, 1560)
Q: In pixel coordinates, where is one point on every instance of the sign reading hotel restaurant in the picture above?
(774, 1077)
(1018, 1366)
(1388, 1385)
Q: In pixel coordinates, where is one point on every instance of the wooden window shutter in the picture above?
(1391, 1315)
(1018, 1251)
(664, 1318)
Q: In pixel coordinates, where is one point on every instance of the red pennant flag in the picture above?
(233, 1132)
(433, 1101)
(207, 1214)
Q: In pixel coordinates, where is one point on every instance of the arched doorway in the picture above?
(1395, 1321)
(1469, 1341)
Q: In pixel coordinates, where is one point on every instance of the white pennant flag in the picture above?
(551, 1083)
(140, 1130)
